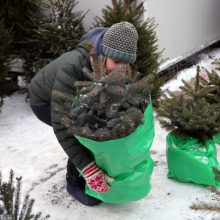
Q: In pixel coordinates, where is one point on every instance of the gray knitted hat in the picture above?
(120, 42)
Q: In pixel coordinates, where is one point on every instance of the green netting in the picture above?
(191, 161)
(127, 160)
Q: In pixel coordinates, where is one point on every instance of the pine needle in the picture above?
(205, 207)
(63, 95)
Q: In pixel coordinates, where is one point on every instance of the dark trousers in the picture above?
(43, 113)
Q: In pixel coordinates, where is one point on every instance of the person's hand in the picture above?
(96, 179)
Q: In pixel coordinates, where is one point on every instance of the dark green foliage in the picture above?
(59, 31)
(5, 44)
(6, 36)
(214, 81)
(11, 207)
(148, 57)
(18, 16)
(195, 111)
(16, 26)
(62, 27)
(42, 31)
(110, 106)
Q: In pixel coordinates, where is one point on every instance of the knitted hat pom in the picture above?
(120, 42)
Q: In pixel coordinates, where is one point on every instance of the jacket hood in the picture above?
(95, 36)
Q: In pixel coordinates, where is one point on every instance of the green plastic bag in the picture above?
(189, 161)
(127, 160)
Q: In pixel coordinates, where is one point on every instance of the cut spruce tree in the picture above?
(58, 30)
(148, 56)
(214, 81)
(46, 30)
(110, 106)
(193, 117)
(10, 201)
(17, 18)
(6, 39)
(195, 111)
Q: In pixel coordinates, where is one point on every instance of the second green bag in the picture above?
(189, 161)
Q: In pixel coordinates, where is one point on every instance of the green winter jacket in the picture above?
(61, 75)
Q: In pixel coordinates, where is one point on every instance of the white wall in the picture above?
(94, 7)
(185, 26)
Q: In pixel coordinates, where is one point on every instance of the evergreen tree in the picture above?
(5, 47)
(11, 207)
(192, 113)
(17, 17)
(6, 35)
(110, 106)
(214, 81)
(59, 31)
(43, 32)
(148, 57)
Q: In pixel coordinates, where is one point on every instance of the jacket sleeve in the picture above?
(64, 82)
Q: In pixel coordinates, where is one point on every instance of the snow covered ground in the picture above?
(30, 148)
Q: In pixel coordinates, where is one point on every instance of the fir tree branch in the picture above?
(29, 209)
(62, 95)
(17, 198)
(24, 207)
(206, 207)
